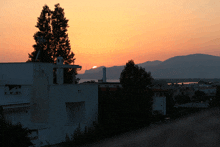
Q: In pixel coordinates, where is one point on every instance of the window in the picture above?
(12, 89)
(75, 112)
(17, 114)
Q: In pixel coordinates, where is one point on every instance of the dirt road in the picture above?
(198, 130)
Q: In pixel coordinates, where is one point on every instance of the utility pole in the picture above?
(41, 40)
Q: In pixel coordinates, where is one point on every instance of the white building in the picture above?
(29, 96)
(159, 103)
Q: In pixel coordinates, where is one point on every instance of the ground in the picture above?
(197, 130)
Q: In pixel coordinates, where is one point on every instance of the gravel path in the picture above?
(198, 130)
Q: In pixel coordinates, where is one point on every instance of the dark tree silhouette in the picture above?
(134, 78)
(61, 42)
(92, 81)
(13, 135)
(57, 41)
(135, 82)
(202, 82)
(182, 99)
(199, 96)
(169, 101)
(215, 102)
(44, 31)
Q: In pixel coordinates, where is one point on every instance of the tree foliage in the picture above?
(199, 93)
(159, 83)
(135, 79)
(127, 108)
(52, 27)
(13, 135)
(135, 83)
(92, 81)
(182, 99)
(61, 41)
(215, 102)
(169, 101)
(45, 31)
(199, 96)
(202, 82)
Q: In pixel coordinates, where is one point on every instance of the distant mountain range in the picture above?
(190, 66)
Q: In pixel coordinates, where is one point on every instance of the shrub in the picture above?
(13, 135)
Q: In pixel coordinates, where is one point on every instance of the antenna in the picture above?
(41, 40)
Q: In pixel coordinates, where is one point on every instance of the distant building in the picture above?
(194, 105)
(159, 101)
(52, 111)
(208, 90)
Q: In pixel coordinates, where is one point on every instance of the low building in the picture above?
(52, 111)
(159, 101)
(194, 105)
(208, 90)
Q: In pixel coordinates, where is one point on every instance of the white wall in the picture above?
(46, 68)
(159, 103)
(19, 73)
(59, 95)
(22, 73)
(7, 99)
(40, 98)
(49, 111)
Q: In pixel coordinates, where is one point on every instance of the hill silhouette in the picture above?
(189, 66)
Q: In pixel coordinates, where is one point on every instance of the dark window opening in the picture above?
(75, 112)
(9, 88)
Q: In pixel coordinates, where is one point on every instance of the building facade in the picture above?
(52, 111)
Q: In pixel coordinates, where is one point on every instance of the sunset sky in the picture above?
(109, 33)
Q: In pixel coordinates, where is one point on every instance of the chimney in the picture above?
(60, 70)
(104, 75)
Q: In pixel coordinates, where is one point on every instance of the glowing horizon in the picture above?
(109, 33)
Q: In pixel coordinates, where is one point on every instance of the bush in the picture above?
(215, 102)
(90, 135)
(182, 99)
(13, 135)
(200, 96)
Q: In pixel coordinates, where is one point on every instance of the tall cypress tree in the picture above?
(57, 41)
(61, 42)
(44, 31)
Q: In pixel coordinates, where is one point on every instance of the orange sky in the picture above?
(109, 33)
